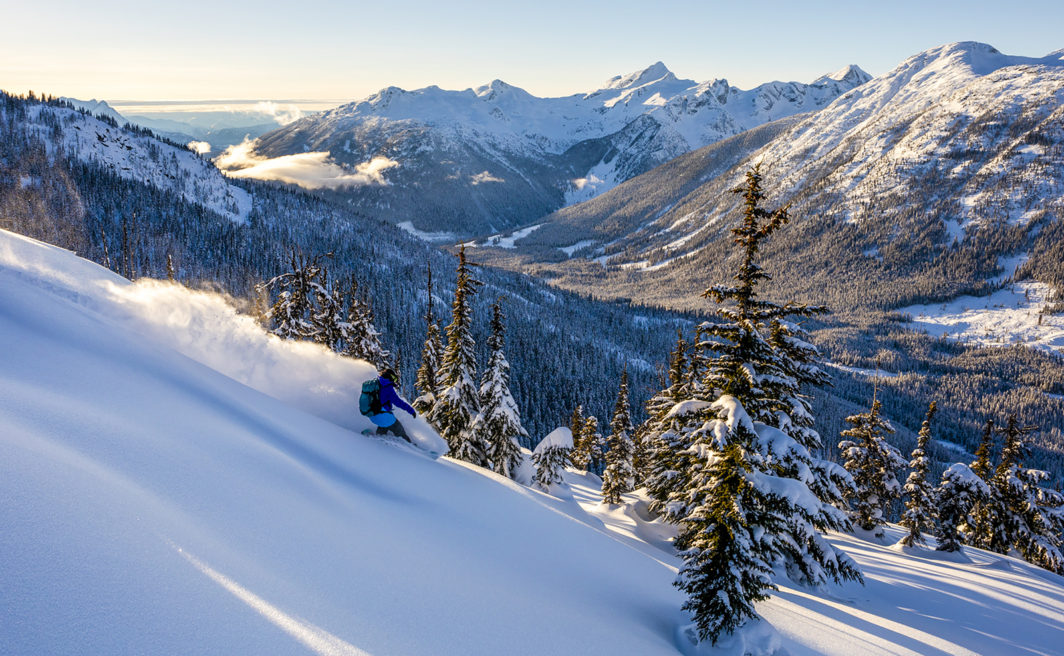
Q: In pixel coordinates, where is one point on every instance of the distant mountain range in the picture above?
(936, 179)
(490, 158)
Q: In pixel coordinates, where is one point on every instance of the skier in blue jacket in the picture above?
(386, 421)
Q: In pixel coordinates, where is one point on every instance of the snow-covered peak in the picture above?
(96, 108)
(852, 74)
(653, 73)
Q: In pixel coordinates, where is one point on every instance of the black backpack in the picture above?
(369, 402)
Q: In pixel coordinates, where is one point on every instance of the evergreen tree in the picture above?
(1025, 514)
(666, 468)
(595, 445)
(980, 530)
(499, 422)
(619, 476)
(580, 456)
(550, 459)
(873, 463)
(920, 505)
(327, 313)
(960, 490)
(459, 400)
(428, 383)
(360, 337)
(748, 503)
(290, 316)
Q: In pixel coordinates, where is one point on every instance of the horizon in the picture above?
(339, 52)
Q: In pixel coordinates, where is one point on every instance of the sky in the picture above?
(333, 50)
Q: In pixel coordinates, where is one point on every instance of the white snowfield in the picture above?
(1009, 316)
(174, 481)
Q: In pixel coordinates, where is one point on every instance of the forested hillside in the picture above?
(565, 349)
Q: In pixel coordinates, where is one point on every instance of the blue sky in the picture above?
(321, 49)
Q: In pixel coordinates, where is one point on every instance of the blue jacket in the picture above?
(389, 397)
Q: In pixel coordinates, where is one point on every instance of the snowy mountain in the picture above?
(916, 186)
(170, 484)
(485, 159)
(67, 133)
(96, 108)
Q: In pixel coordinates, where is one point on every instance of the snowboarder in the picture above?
(378, 397)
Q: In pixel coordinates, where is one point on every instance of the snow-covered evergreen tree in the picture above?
(748, 505)
(1026, 515)
(580, 455)
(979, 532)
(666, 468)
(499, 423)
(955, 497)
(360, 337)
(290, 316)
(551, 457)
(920, 502)
(330, 327)
(619, 476)
(594, 443)
(428, 373)
(874, 464)
(459, 400)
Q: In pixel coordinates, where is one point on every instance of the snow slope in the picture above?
(174, 481)
(133, 156)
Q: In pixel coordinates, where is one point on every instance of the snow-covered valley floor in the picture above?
(174, 481)
(1008, 316)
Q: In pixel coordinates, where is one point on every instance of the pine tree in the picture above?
(360, 337)
(499, 423)
(873, 463)
(327, 313)
(459, 400)
(550, 459)
(980, 530)
(619, 476)
(960, 490)
(1025, 514)
(428, 374)
(580, 456)
(290, 316)
(595, 444)
(748, 503)
(666, 468)
(920, 505)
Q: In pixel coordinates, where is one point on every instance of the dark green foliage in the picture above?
(874, 464)
(920, 504)
(959, 491)
(459, 400)
(619, 476)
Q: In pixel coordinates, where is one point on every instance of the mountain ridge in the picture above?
(539, 153)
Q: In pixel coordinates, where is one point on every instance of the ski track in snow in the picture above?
(314, 638)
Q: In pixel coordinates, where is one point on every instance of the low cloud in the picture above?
(283, 114)
(308, 170)
(481, 178)
(201, 147)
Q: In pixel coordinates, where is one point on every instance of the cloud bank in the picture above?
(201, 147)
(283, 114)
(308, 170)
